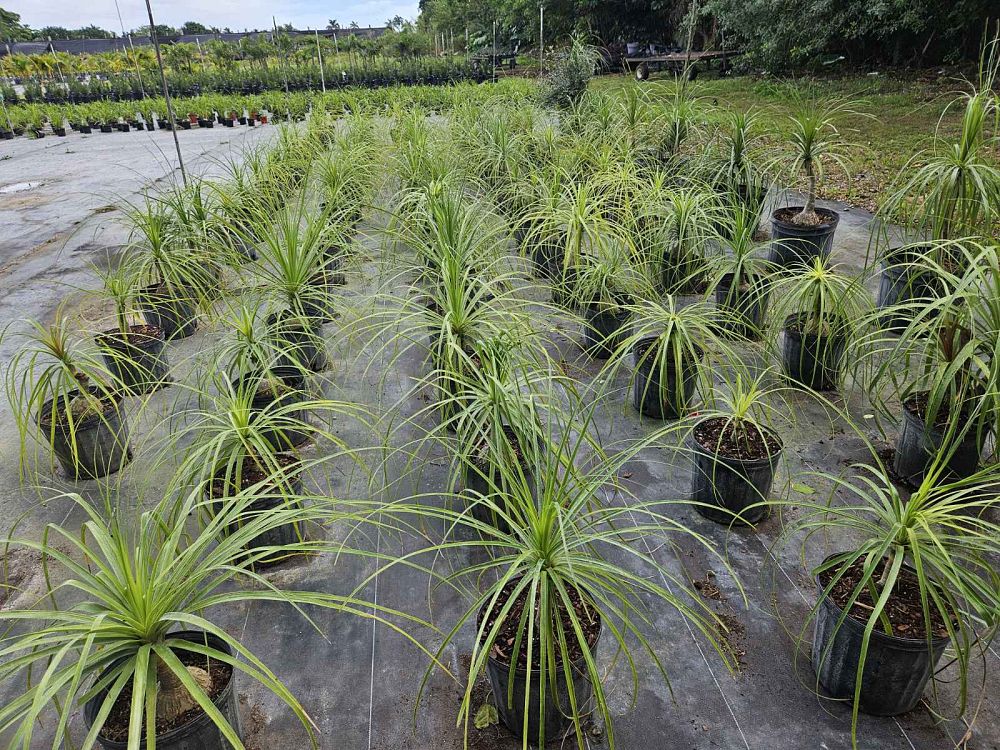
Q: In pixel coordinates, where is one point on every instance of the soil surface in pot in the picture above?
(116, 726)
(480, 454)
(787, 214)
(917, 406)
(743, 441)
(807, 326)
(507, 635)
(81, 407)
(273, 388)
(136, 334)
(252, 473)
(903, 608)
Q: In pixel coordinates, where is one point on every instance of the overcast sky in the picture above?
(236, 14)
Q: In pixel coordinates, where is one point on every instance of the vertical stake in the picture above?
(319, 51)
(166, 92)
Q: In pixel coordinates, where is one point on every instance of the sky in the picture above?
(236, 14)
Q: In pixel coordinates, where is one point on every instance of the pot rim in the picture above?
(112, 337)
(770, 460)
(196, 722)
(833, 218)
(795, 317)
(579, 665)
(908, 644)
(116, 397)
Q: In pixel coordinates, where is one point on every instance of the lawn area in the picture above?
(896, 118)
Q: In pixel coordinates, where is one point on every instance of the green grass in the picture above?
(897, 118)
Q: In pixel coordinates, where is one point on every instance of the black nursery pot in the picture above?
(292, 378)
(667, 397)
(138, 362)
(200, 733)
(810, 359)
(918, 445)
(794, 244)
(302, 346)
(272, 496)
(744, 307)
(900, 284)
(558, 709)
(85, 130)
(175, 315)
(106, 128)
(546, 259)
(101, 440)
(896, 669)
(604, 330)
(731, 484)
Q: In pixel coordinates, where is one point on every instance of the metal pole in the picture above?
(494, 50)
(336, 46)
(166, 91)
(319, 51)
(56, 59)
(541, 40)
(201, 52)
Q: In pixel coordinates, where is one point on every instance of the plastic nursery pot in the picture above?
(482, 478)
(174, 314)
(662, 393)
(269, 495)
(335, 264)
(137, 360)
(545, 259)
(199, 732)
(918, 445)
(107, 128)
(96, 445)
(291, 387)
(604, 329)
(558, 716)
(900, 284)
(896, 669)
(794, 244)
(86, 130)
(299, 344)
(730, 483)
(812, 360)
(745, 306)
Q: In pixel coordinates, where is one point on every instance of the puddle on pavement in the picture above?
(18, 187)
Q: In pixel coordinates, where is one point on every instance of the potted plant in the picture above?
(800, 233)
(948, 402)
(735, 453)
(134, 353)
(916, 577)
(133, 651)
(737, 164)
(544, 594)
(56, 387)
(169, 272)
(739, 278)
(606, 284)
(670, 347)
(815, 314)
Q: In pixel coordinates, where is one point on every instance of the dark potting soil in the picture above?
(807, 325)
(273, 388)
(741, 440)
(903, 607)
(787, 214)
(917, 406)
(137, 334)
(251, 474)
(507, 635)
(116, 726)
(480, 454)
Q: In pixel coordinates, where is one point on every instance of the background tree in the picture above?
(11, 27)
(193, 27)
(333, 24)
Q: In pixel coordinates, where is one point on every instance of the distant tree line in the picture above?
(777, 35)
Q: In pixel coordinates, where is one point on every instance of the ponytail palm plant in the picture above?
(113, 645)
(55, 384)
(545, 591)
(952, 189)
(920, 569)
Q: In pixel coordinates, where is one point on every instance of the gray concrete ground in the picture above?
(359, 680)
